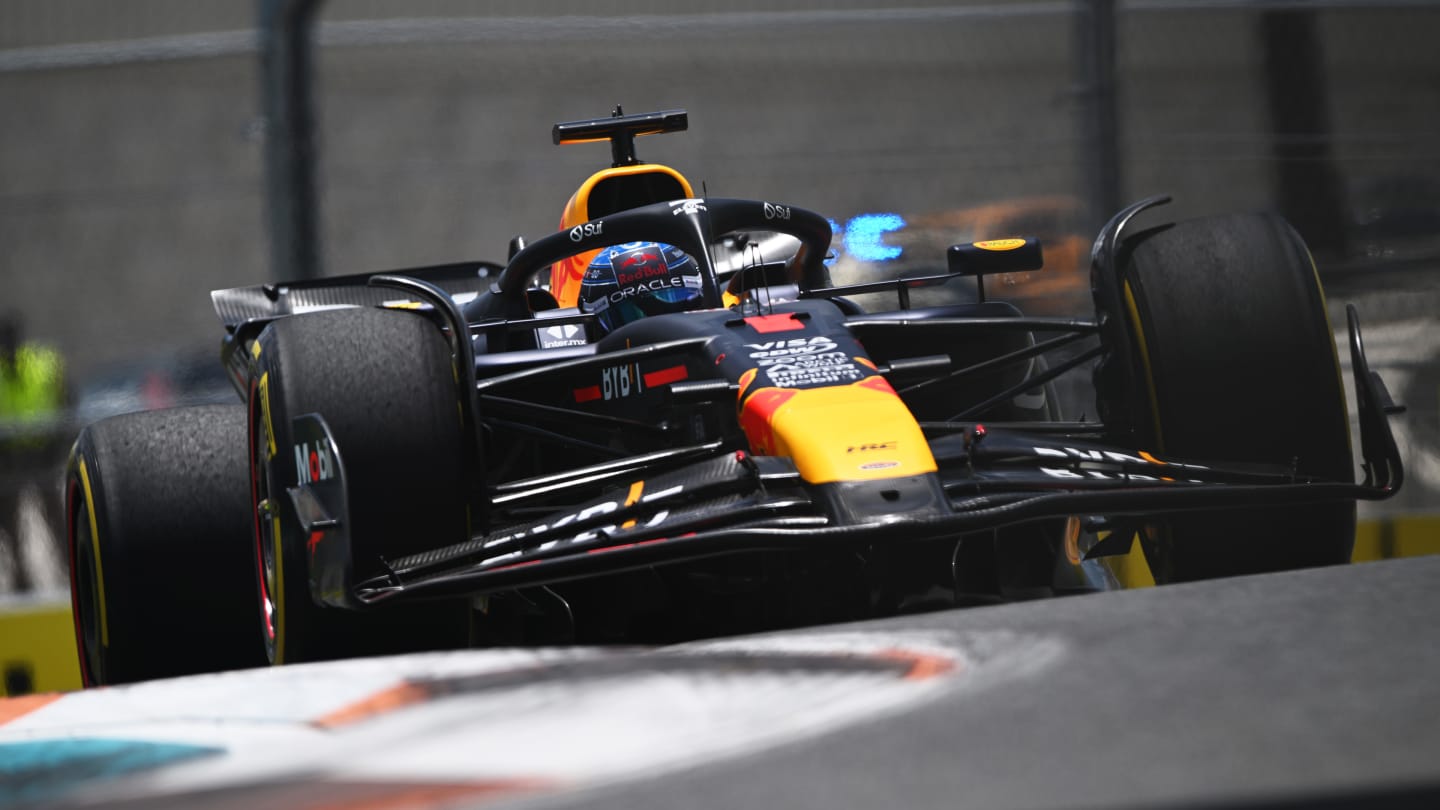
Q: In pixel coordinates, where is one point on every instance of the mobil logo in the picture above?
(314, 461)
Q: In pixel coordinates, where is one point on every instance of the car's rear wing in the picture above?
(239, 305)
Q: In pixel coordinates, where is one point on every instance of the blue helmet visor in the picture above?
(637, 280)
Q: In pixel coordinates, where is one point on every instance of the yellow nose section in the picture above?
(857, 432)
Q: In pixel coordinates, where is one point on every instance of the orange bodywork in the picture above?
(566, 275)
(856, 432)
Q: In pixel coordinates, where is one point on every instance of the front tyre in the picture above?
(1234, 359)
(158, 533)
(385, 385)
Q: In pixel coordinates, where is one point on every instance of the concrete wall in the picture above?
(128, 191)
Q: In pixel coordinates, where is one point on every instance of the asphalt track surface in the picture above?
(1304, 689)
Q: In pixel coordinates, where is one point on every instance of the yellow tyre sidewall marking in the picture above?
(277, 589)
(95, 548)
(264, 391)
(277, 595)
(278, 620)
(1145, 364)
(1334, 352)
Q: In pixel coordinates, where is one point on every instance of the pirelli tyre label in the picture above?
(999, 245)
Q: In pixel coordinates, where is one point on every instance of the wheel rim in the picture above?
(266, 568)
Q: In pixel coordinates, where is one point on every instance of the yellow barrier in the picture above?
(1401, 536)
(1379, 539)
(37, 648)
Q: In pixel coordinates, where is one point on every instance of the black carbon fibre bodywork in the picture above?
(596, 457)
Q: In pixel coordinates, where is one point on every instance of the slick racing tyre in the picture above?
(1235, 361)
(384, 383)
(158, 530)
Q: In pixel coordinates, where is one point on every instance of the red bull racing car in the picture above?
(664, 421)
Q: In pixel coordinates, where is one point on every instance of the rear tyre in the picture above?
(385, 385)
(158, 534)
(1235, 360)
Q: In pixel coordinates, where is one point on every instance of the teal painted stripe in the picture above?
(40, 771)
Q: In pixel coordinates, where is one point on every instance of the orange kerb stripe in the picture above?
(922, 666)
(383, 702)
(421, 797)
(12, 709)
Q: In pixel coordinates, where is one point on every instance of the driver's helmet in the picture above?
(625, 283)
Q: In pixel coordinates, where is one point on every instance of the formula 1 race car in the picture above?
(663, 421)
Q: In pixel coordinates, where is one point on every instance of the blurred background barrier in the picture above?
(37, 644)
(132, 162)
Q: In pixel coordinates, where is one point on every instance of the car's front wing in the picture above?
(988, 477)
